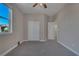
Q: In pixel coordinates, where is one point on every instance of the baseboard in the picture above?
(33, 40)
(29, 40)
(3, 54)
(21, 41)
(42, 40)
(51, 39)
(68, 48)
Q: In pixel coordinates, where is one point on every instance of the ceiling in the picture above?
(52, 8)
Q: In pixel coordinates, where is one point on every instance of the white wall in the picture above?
(43, 24)
(68, 27)
(8, 41)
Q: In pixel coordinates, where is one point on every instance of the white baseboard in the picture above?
(68, 48)
(21, 41)
(30, 40)
(51, 39)
(42, 40)
(3, 54)
(33, 40)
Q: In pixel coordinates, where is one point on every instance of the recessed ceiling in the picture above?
(52, 8)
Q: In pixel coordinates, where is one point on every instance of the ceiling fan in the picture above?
(44, 5)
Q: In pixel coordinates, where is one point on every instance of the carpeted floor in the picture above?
(48, 48)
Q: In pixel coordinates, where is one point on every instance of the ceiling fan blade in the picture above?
(35, 4)
(44, 4)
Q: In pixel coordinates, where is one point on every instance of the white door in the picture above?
(51, 30)
(33, 30)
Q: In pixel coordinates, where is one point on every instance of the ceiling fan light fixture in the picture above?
(42, 5)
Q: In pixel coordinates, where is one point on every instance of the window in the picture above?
(5, 18)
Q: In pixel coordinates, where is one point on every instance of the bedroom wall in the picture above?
(10, 40)
(68, 27)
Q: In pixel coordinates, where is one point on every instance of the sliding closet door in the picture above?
(33, 30)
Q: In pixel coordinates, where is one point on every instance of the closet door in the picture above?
(33, 30)
(51, 30)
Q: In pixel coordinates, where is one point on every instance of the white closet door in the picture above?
(51, 30)
(34, 30)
